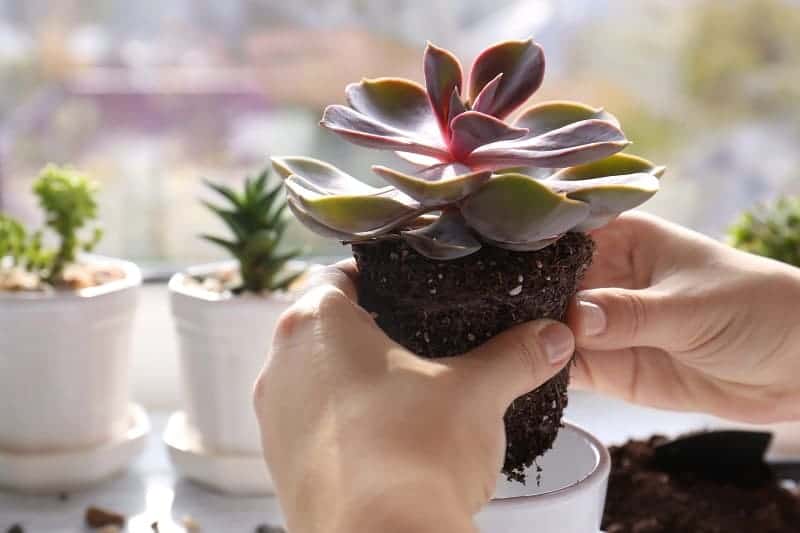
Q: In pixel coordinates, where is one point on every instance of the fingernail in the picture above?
(592, 318)
(557, 342)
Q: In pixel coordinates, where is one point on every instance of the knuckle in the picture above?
(635, 311)
(260, 390)
(330, 302)
(289, 322)
(527, 351)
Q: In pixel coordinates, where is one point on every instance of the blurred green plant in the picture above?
(18, 249)
(743, 55)
(771, 231)
(67, 198)
(255, 218)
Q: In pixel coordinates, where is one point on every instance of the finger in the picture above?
(339, 275)
(515, 362)
(611, 319)
(645, 376)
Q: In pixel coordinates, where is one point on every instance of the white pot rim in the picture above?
(132, 279)
(596, 477)
(178, 286)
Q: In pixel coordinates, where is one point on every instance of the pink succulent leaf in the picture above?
(418, 160)
(548, 116)
(473, 129)
(437, 185)
(365, 131)
(456, 106)
(351, 214)
(522, 65)
(447, 238)
(443, 77)
(483, 102)
(320, 175)
(574, 144)
(395, 102)
(610, 186)
(514, 208)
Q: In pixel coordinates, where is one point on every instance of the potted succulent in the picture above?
(489, 228)
(770, 230)
(225, 313)
(65, 319)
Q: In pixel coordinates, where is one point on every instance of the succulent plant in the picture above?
(19, 249)
(771, 231)
(477, 178)
(255, 217)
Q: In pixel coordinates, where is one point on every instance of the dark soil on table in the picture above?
(445, 308)
(643, 498)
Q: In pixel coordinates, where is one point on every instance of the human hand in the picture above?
(691, 324)
(361, 435)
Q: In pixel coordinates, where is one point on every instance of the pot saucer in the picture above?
(74, 469)
(234, 474)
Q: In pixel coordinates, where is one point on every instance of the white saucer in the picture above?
(234, 474)
(74, 469)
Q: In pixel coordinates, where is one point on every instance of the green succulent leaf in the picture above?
(522, 65)
(321, 175)
(366, 131)
(514, 208)
(397, 103)
(443, 79)
(351, 213)
(574, 144)
(472, 129)
(436, 185)
(447, 238)
(615, 165)
(548, 116)
(317, 227)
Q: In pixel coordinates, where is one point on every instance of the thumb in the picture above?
(613, 319)
(516, 361)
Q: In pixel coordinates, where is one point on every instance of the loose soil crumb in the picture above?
(97, 517)
(645, 499)
(445, 308)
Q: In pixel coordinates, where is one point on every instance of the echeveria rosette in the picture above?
(472, 183)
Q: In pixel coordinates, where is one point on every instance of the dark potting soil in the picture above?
(646, 498)
(445, 308)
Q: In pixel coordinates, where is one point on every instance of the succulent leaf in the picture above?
(440, 184)
(483, 102)
(456, 106)
(522, 65)
(317, 227)
(548, 116)
(350, 213)
(395, 102)
(323, 176)
(443, 79)
(366, 131)
(418, 160)
(447, 238)
(514, 208)
(615, 165)
(530, 246)
(473, 129)
(576, 143)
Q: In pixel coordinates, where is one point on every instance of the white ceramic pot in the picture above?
(64, 365)
(223, 342)
(569, 498)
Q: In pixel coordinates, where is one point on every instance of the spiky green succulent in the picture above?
(255, 218)
(771, 231)
(478, 179)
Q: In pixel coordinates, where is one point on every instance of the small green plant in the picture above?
(68, 199)
(771, 231)
(18, 249)
(255, 218)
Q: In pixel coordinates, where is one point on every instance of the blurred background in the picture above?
(151, 96)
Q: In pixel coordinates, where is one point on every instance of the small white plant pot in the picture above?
(64, 365)
(223, 342)
(569, 498)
